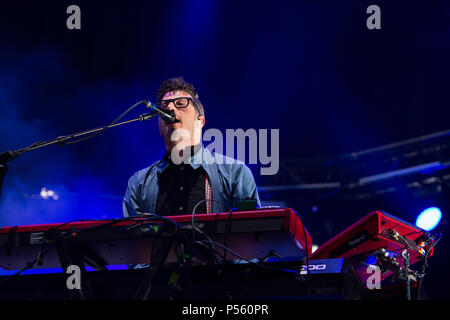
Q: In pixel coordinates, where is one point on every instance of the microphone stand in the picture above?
(9, 155)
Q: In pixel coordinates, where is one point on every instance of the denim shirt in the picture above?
(231, 181)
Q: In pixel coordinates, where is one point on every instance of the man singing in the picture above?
(189, 176)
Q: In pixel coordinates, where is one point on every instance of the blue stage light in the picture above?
(429, 218)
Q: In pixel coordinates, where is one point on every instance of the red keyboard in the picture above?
(252, 234)
(377, 230)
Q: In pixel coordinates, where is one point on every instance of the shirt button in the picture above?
(181, 208)
(181, 188)
(181, 168)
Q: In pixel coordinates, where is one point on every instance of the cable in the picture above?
(424, 265)
(78, 220)
(42, 253)
(227, 232)
(195, 208)
(248, 260)
(139, 224)
(226, 249)
(212, 249)
(433, 244)
(308, 291)
(273, 254)
(408, 245)
(227, 227)
(111, 222)
(36, 144)
(208, 238)
(29, 265)
(105, 127)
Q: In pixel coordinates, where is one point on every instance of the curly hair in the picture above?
(174, 84)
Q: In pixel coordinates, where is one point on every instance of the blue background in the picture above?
(311, 69)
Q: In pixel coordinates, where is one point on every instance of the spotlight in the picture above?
(45, 194)
(429, 218)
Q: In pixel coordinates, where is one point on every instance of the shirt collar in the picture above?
(199, 157)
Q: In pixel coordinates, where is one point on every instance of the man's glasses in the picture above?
(177, 102)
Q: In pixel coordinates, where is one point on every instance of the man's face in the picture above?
(188, 118)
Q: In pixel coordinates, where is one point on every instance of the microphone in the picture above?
(167, 115)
